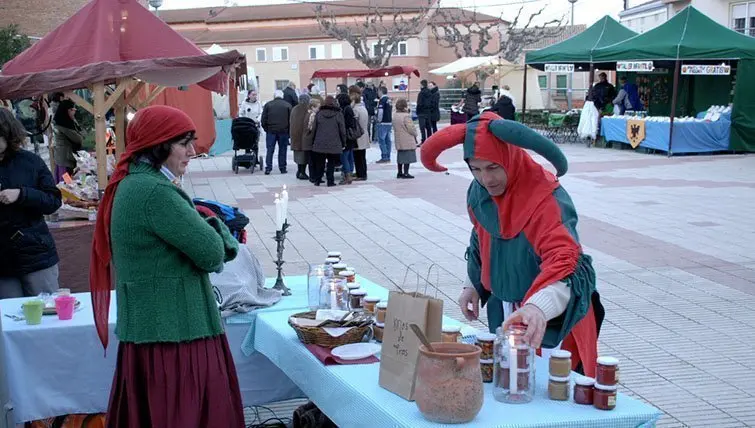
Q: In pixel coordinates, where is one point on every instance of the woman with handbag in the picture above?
(405, 134)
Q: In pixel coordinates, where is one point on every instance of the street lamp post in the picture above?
(570, 90)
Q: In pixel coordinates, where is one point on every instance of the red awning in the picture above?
(394, 70)
(108, 39)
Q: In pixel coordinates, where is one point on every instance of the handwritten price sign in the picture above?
(706, 70)
(559, 68)
(400, 327)
(636, 66)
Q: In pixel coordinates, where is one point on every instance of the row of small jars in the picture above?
(600, 392)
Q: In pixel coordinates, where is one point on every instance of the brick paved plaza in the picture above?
(673, 242)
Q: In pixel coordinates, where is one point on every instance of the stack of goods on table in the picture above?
(341, 315)
(81, 192)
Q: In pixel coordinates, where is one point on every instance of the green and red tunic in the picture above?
(526, 239)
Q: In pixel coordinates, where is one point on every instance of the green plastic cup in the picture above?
(33, 311)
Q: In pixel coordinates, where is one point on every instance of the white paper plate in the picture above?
(356, 351)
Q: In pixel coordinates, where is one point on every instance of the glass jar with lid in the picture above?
(314, 280)
(335, 255)
(338, 268)
(450, 333)
(514, 374)
(334, 294)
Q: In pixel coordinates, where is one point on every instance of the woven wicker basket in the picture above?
(318, 336)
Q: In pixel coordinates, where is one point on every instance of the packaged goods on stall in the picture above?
(583, 390)
(451, 333)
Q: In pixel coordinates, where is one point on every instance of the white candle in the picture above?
(333, 295)
(278, 215)
(513, 368)
(284, 198)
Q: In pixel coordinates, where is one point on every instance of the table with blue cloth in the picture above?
(689, 137)
(59, 367)
(351, 397)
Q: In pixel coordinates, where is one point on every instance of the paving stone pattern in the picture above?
(672, 239)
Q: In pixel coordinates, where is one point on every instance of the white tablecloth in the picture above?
(58, 367)
(357, 385)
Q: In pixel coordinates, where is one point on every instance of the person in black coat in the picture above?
(28, 257)
(435, 113)
(472, 100)
(290, 96)
(424, 110)
(276, 117)
(369, 97)
(505, 108)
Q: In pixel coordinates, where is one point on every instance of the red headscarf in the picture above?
(150, 127)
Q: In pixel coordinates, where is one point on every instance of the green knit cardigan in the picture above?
(163, 251)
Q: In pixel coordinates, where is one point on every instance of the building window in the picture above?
(743, 18)
(542, 81)
(261, 54)
(399, 49)
(317, 52)
(280, 54)
(336, 51)
(561, 85)
(281, 84)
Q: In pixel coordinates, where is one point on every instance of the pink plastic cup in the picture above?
(64, 306)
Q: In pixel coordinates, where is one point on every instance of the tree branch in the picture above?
(386, 27)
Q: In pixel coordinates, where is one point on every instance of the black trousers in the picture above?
(425, 126)
(325, 163)
(360, 163)
(434, 124)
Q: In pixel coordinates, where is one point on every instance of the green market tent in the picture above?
(693, 37)
(579, 49)
(688, 35)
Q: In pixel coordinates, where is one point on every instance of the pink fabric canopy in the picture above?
(394, 70)
(108, 39)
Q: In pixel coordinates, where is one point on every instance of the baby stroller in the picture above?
(246, 134)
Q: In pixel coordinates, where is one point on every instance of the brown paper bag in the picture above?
(400, 350)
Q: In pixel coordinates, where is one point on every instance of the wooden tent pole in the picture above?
(677, 68)
(524, 94)
(99, 134)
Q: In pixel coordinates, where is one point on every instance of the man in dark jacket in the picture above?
(435, 113)
(472, 100)
(370, 97)
(275, 121)
(384, 125)
(424, 110)
(28, 257)
(290, 96)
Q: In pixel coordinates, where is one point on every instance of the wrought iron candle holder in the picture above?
(280, 238)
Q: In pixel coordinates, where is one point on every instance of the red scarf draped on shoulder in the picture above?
(150, 127)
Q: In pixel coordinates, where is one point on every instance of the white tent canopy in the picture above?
(507, 74)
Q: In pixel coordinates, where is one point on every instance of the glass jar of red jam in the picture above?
(604, 397)
(607, 372)
(583, 390)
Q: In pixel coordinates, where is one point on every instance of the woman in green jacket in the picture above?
(174, 368)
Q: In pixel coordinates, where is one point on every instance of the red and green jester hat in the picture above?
(525, 239)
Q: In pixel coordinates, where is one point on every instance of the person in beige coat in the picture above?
(363, 142)
(405, 135)
(298, 123)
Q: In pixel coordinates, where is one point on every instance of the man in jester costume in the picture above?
(524, 259)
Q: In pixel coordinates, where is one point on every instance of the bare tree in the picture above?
(385, 27)
(469, 35)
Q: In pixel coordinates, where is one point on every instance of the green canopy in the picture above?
(688, 35)
(579, 49)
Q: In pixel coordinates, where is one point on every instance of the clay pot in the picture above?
(449, 383)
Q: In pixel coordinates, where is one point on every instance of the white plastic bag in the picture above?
(588, 121)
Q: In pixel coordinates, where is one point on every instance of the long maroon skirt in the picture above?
(188, 385)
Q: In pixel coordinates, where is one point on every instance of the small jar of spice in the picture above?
(451, 334)
(486, 367)
(369, 303)
(349, 275)
(560, 363)
(332, 260)
(380, 310)
(607, 372)
(356, 299)
(583, 390)
(558, 388)
(338, 268)
(335, 255)
(604, 397)
(485, 342)
(377, 330)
